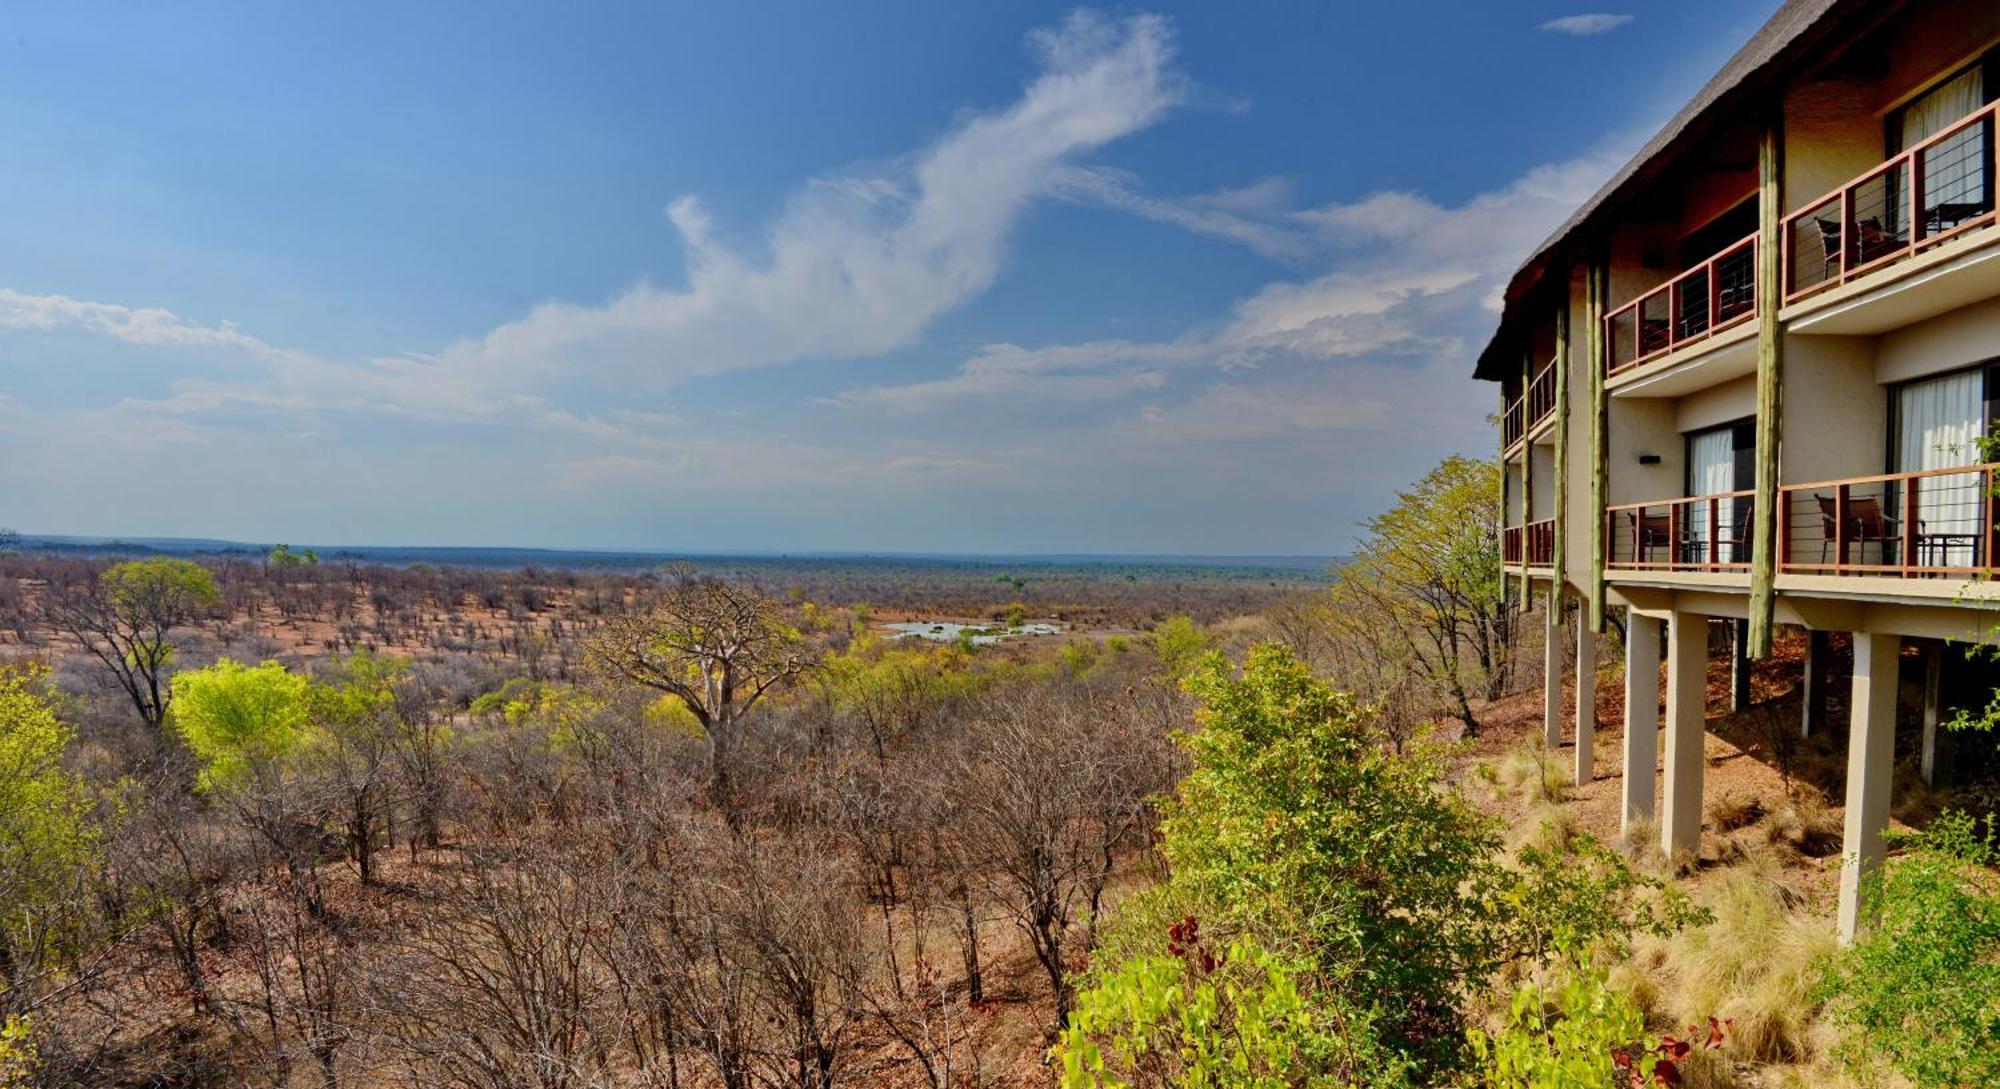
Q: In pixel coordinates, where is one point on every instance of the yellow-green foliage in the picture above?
(1246, 1020)
(1179, 642)
(1561, 1036)
(239, 720)
(46, 836)
(18, 1058)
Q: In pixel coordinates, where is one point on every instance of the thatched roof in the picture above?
(1785, 35)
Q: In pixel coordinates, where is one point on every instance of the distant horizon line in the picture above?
(180, 543)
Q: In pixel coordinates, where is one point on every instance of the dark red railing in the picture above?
(1714, 295)
(1530, 408)
(1533, 544)
(1933, 192)
(1698, 533)
(1540, 543)
(1939, 522)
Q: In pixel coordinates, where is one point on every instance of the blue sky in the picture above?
(782, 276)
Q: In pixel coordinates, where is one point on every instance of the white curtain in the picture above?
(1954, 174)
(1712, 469)
(1942, 105)
(1937, 422)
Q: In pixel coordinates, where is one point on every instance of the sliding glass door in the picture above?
(1720, 460)
(1938, 425)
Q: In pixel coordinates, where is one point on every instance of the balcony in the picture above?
(1931, 194)
(1698, 533)
(1713, 296)
(1531, 408)
(1532, 545)
(1933, 524)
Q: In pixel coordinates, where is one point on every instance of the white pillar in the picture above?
(1642, 717)
(1586, 700)
(1871, 755)
(1687, 722)
(1933, 696)
(1552, 673)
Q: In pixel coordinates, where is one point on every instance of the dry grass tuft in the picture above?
(1756, 964)
(1806, 825)
(1537, 775)
(1733, 812)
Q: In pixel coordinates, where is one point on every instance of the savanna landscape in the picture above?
(287, 821)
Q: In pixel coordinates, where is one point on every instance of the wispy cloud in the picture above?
(858, 263)
(147, 326)
(1587, 25)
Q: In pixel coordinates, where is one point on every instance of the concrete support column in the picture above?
(1871, 754)
(1812, 715)
(1933, 710)
(1552, 674)
(1586, 701)
(1642, 717)
(1687, 724)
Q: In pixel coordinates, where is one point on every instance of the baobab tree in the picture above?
(716, 645)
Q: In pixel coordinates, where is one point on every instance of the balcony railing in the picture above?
(1935, 523)
(1935, 191)
(1533, 544)
(1698, 533)
(1712, 296)
(1531, 408)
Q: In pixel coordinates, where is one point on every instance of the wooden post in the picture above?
(1527, 480)
(1557, 566)
(1596, 347)
(1770, 387)
(1933, 710)
(1739, 665)
(1812, 713)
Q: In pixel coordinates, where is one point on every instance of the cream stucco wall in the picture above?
(1638, 427)
(1717, 405)
(1947, 342)
(1835, 414)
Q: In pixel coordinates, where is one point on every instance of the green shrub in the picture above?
(1921, 989)
(1251, 1019)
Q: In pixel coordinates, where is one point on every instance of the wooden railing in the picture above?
(1510, 546)
(1698, 533)
(1935, 191)
(1530, 408)
(1935, 523)
(1539, 543)
(1714, 295)
(1542, 395)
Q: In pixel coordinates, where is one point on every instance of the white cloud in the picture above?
(1587, 25)
(857, 264)
(147, 326)
(1408, 278)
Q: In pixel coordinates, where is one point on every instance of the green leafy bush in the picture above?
(1251, 1019)
(1921, 989)
(1300, 829)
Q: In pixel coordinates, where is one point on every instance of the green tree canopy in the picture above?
(125, 618)
(240, 720)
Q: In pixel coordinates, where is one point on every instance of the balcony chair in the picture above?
(1866, 523)
(1654, 531)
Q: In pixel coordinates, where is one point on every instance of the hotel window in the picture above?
(1720, 460)
(1957, 183)
(1936, 425)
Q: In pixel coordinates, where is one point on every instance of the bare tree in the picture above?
(716, 645)
(124, 617)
